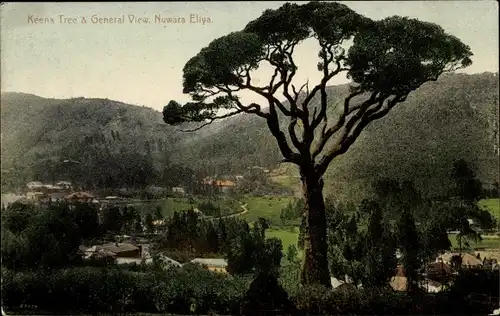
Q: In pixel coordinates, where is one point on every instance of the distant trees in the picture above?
(46, 239)
(463, 212)
(252, 253)
(380, 247)
(409, 243)
(247, 249)
(209, 209)
(363, 244)
(293, 211)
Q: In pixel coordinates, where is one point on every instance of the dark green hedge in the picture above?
(196, 291)
(91, 289)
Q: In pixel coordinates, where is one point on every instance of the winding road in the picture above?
(243, 206)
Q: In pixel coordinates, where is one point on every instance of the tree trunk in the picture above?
(315, 266)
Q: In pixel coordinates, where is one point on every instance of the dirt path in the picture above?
(243, 207)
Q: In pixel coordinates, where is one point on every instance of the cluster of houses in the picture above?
(225, 186)
(436, 275)
(139, 252)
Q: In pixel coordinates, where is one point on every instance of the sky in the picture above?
(142, 64)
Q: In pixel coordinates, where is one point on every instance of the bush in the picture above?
(91, 289)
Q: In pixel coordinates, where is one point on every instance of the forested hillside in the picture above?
(119, 144)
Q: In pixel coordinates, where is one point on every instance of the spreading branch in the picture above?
(327, 134)
(369, 115)
(274, 127)
(210, 121)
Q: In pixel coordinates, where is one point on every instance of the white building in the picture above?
(179, 190)
(35, 185)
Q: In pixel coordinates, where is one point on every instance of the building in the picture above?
(400, 283)
(159, 222)
(56, 196)
(467, 260)
(35, 185)
(120, 251)
(178, 190)
(212, 264)
(440, 271)
(66, 185)
(52, 188)
(169, 262)
(80, 197)
(431, 286)
(36, 196)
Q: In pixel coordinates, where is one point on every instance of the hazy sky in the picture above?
(142, 63)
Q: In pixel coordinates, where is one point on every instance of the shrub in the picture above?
(117, 290)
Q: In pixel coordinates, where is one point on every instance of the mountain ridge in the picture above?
(456, 104)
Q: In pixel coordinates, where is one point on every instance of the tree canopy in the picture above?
(387, 60)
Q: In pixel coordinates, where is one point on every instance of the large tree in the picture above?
(388, 59)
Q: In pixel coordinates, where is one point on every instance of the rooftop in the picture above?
(216, 262)
(79, 195)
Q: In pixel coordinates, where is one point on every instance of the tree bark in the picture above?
(315, 266)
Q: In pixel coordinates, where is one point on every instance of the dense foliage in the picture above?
(93, 290)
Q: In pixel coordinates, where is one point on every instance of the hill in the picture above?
(453, 118)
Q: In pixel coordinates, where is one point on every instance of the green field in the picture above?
(288, 237)
(291, 237)
(488, 242)
(492, 205)
(174, 204)
(267, 207)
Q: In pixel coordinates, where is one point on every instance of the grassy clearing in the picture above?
(267, 207)
(488, 242)
(172, 205)
(288, 236)
(492, 205)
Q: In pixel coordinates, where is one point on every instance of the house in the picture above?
(165, 261)
(178, 190)
(35, 185)
(159, 222)
(116, 250)
(66, 185)
(224, 185)
(439, 271)
(336, 282)
(400, 282)
(169, 262)
(80, 197)
(50, 187)
(341, 284)
(56, 196)
(431, 286)
(35, 196)
(467, 259)
(212, 264)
